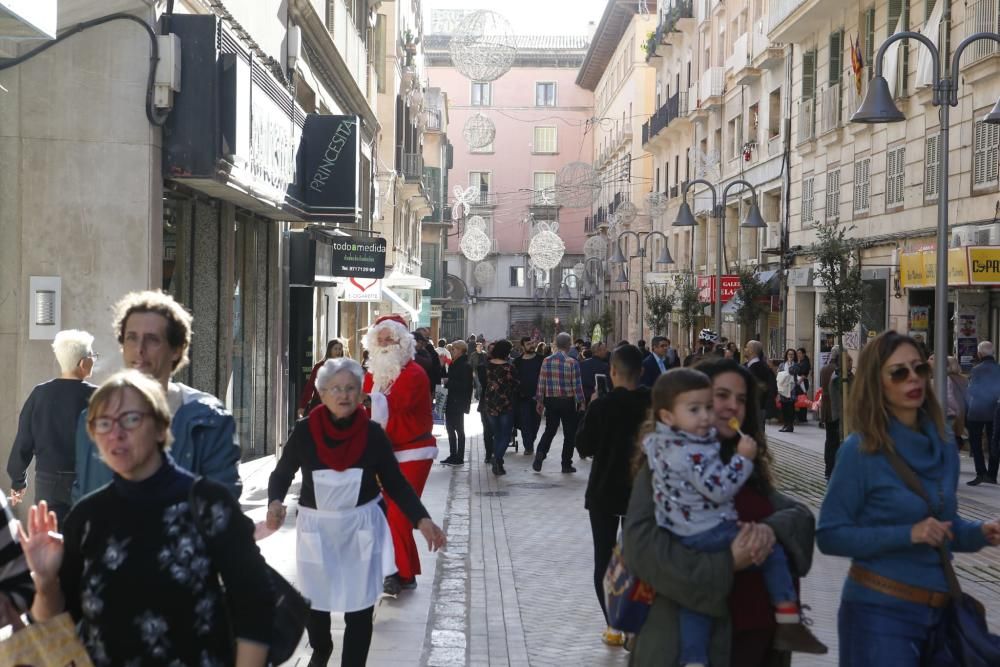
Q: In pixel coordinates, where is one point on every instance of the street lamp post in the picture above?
(879, 107)
(753, 221)
(664, 259)
(595, 278)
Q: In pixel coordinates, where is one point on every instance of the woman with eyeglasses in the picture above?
(343, 546)
(310, 397)
(895, 592)
(139, 576)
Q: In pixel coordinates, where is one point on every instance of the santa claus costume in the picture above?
(401, 402)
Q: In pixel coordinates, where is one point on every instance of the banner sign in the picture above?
(706, 288)
(984, 265)
(919, 269)
(361, 290)
(328, 173)
(352, 256)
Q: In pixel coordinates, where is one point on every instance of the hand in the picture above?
(931, 531)
(540, 408)
(275, 515)
(301, 413)
(16, 496)
(741, 548)
(747, 447)
(992, 532)
(42, 544)
(435, 536)
(761, 542)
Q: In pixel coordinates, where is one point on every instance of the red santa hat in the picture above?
(395, 317)
(395, 323)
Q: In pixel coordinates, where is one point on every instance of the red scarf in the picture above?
(338, 448)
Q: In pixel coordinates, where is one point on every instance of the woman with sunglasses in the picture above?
(140, 578)
(896, 590)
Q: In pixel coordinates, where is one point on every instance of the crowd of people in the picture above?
(137, 489)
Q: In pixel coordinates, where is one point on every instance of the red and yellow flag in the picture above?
(857, 63)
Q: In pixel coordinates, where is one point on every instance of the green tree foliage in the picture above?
(659, 304)
(690, 309)
(750, 296)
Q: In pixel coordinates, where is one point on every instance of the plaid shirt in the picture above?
(560, 378)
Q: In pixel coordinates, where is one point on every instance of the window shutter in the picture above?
(862, 185)
(895, 11)
(870, 40)
(836, 56)
(833, 195)
(932, 166)
(807, 201)
(808, 74)
(330, 10)
(894, 175)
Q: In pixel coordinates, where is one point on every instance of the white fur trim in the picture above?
(380, 408)
(419, 454)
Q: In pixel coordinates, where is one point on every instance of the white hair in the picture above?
(332, 367)
(985, 349)
(70, 347)
(385, 364)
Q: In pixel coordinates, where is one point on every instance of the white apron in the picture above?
(343, 552)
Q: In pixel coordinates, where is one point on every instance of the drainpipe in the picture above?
(783, 262)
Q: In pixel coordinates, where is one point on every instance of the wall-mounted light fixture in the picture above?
(44, 307)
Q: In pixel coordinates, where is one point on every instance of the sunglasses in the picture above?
(901, 373)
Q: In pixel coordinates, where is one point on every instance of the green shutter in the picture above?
(836, 56)
(809, 74)
(870, 40)
(895, 11)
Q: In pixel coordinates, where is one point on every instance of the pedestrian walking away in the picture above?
(981, 404)
(500, 396)
(896, 590)
(560, 398)
(458, 402)
(344, 547)
(484, 417)
(529, 367)
(46, 429)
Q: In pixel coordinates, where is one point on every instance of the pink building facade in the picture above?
(541, 119)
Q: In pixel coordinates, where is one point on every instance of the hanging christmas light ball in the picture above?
(626, 212)
(485, 274)
(657, 203)
(476, 222)
(482, 46)
(546, 249)
(479, 131)
(577, 185)
(475, 245)
(595, 246)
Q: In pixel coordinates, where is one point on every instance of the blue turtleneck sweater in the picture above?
(868, 511)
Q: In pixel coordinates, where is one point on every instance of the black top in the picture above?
(143, 584)
(588, 369)
(528, 371)
(47, 429)
(378, 463)
(766, 382)
(501, 389)
(460, 385)
(608, 433)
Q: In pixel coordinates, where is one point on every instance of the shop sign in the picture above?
(706, 288)
(919, 269)
(351, 256)
(984, 265)
(328, 175)
(800, 276)
(356, 289)
(920, 318)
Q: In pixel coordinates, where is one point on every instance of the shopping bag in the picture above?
(52, 643)
(626, 597)
(817, 401)
(802, 402)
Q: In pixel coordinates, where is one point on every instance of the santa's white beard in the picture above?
(386, 363)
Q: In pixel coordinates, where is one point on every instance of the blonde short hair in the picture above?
(70, 347)
(148, 389)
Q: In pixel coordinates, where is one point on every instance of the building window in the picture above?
(862, 184)
(807, 201)
(543, 186)
(517, 276)
(985, 142)
(894, 176)
(545, 140)
(545, 94)
(482, 93)
(481, 181)
(932, 165)
(736, 137)
(833, 195)
(774, 114)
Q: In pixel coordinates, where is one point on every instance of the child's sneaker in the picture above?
(612, 637)
(797, 638)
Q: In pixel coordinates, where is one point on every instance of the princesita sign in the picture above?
(355, 257)
(328, 160)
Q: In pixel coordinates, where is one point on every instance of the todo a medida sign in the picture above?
(355, 257)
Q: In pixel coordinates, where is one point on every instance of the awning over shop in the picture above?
(414, 313)
(406, 280)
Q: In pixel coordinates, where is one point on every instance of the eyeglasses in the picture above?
(129, 421)
(93, 355)
(347, 391)
(901, 373)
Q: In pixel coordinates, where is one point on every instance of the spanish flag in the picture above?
(857, 63)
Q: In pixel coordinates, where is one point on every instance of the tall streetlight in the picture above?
(664, 259)
(879, 107)
(753, 221)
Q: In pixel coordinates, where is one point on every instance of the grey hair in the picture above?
(70, 347)
(563, 341)
(460, 345)
(332, 367)
(985, 349)
(755, 347)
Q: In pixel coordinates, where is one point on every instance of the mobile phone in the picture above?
(603, 386)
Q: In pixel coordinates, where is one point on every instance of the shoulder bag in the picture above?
(626, 597)
(51, 643)
(291, 608)
(962, 638)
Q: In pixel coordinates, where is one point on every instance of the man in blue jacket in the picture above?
(981, 402)
(155, 334)
(656, 363)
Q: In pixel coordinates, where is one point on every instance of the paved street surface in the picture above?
(514, 585)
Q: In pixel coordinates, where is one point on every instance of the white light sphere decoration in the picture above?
(578, 185)
(482, 47)
(475, 244)
(476, 222)
(657, 203)
(484, 274)
(595, 246)
(546, 249)
(479, 131)
(626, 212)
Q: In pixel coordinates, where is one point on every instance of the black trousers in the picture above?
(604, 528)
(454, 424)
(831, 445)
(487, 434)
(357, 636)
(559, 410)
(788, 412)
(56, 489)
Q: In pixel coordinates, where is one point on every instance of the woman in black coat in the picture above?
(458, 402)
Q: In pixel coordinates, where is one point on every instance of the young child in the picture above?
(693, 490)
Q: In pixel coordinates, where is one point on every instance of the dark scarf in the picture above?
(340, 443)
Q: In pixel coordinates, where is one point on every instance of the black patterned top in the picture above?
(501, 390)
(144, 587)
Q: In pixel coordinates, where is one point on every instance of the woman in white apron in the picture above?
(344, 548)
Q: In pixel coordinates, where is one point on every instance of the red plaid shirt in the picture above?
(560, 378)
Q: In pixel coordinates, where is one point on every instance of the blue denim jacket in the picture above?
(205, 444)
(983, 392)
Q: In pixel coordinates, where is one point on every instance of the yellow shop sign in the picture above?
(984, 265)
(919, 269)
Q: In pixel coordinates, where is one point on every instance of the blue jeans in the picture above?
(528, 421)
(502, 426)
(976, 431)
(873, 635)
(696, 629)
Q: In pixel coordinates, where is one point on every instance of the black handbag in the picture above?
(291, 608)
(962, 638)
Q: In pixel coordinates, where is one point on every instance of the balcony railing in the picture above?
(433, 119)
(674, 108)
(713, 83)
(983, 17)
(807, 119)
(779, 10)
(485, 198)
(413, 167)
(854, 98)
(830, 108)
